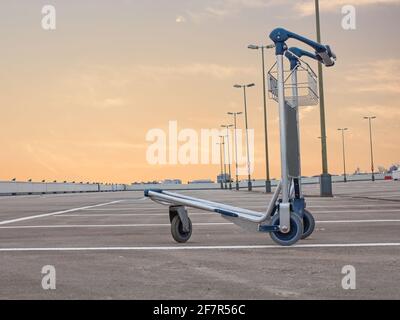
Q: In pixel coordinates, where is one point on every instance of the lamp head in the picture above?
(253, 47)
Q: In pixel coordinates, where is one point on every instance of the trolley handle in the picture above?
(295, 54)
(279, 36)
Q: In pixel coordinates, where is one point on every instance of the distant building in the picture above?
(201, 181)
(223, 178)
(172, 181)
(145, 182)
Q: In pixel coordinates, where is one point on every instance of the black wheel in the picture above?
(177, 230)
(294, 235)
(308, 224)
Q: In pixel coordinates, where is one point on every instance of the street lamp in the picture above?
(224, 161)
(370, 140)
(235, 114)
(326, 178)
(238, 86)
(221, 163)
(344, 153)
(255, 47)
(229, 153)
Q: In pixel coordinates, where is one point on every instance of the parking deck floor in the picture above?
(119, 246)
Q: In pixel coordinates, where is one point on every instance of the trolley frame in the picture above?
(287, 199)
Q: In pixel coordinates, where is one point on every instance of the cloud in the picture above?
(46, 156)
(107, 88)
(226, 8)
(307, 7)
(180, 19)
(385, 112)
(304, 111)
(38, 157)
(378, 76)
(117, 144)
(195, 69)
(112, 102)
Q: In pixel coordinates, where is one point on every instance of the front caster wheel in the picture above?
(177, 231)
(290, 238)
(308, 224)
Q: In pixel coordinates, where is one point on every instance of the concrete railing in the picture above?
(18, 188)
(243, 184)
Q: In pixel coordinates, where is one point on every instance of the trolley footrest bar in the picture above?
(267, 228)
(226, 213)
(180, 200)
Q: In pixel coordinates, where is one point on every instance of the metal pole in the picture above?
(236, 155)
(326, 179)
(235, 114)
(284, 206)
(282, 119)
(372, 152)
(295, 93)
(222, 169)
(223, 146)
(268, 180)
(249, 185)
(344, 159)
(344, 155)
(229, 159)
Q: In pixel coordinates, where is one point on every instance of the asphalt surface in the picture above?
(119, 246)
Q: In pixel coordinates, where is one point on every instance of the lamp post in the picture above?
(229, 153)
(326, 178)
(224, 161)
(371, 145)
(344, 153)
(235, 114)
(267, 179)
(238, 86)
(221, 163)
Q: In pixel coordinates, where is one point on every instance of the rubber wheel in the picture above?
(290, 238)
(177, 230)
(308, 224)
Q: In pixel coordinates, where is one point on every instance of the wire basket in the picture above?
(307, 86)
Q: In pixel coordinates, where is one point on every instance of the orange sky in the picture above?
(76, 102)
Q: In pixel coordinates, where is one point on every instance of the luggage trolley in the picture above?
(286, 217)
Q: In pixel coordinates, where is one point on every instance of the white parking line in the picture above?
(111, 225)
(187, 248)
(388, 195)
(261, 208)
(357, 211)
(115, 209)
(213, 213)
(168, 224)
(134, 214)
(355, 206)
(358, 221)
(216, 214)
(56, 213)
